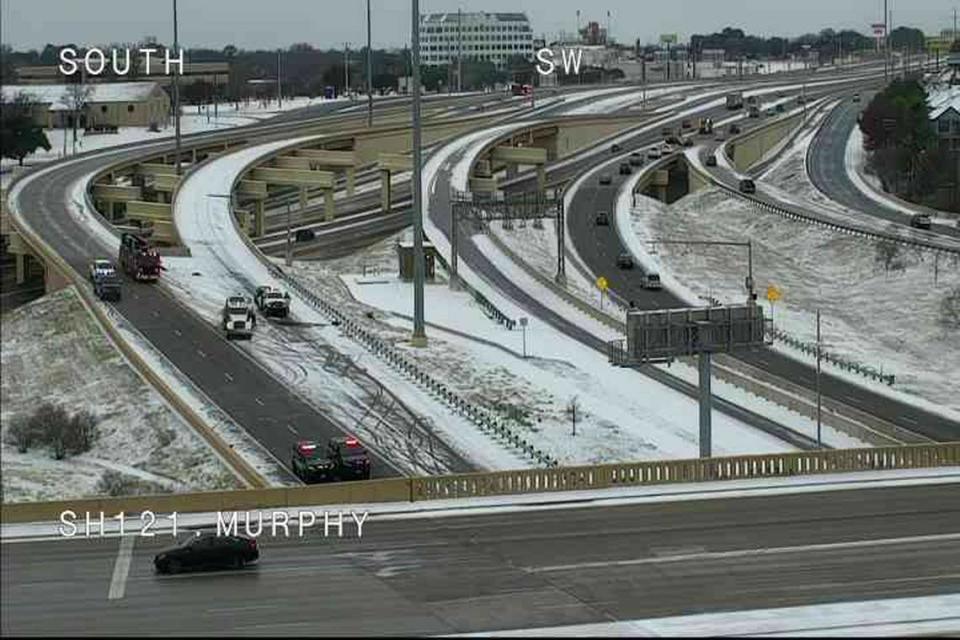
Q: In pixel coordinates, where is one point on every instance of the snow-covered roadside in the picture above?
(861, 306)
(302, 354)
(75, 366)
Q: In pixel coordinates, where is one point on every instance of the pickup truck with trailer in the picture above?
(272, 302)
(344, 458)
(138, 259)
(239, 318)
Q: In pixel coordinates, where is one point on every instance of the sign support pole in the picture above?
(703, 360)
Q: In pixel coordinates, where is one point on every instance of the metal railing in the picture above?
(516, 482)
(810, 348)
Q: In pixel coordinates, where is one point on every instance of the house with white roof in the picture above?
(945, 117)
(116, 104)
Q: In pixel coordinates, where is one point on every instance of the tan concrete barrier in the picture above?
(495, 483)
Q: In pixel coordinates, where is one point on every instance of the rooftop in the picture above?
(57, 97)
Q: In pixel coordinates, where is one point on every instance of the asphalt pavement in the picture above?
(505, 570)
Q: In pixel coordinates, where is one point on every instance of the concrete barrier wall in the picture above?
(749, 148)
(524, 481)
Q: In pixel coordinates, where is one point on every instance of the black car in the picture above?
(107, 287)
(711, 160)
(207, 550)
(615, 148)
(605, 178)
(780, 108)
(733, 129)
(602, 219)
(305, 235)
(625, 261)
(625, 169)
(636, 159)
(747, 186)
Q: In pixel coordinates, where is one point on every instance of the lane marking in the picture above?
(202, 354)
(744, 553)
(292, 430)
(177, 331)
(121, 568)
(258, 401)
(228, 376)
(909, 419)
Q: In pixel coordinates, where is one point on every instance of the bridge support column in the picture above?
(385, 190)
(541, 178)
(662, 194)
(258, 223)
(303, 198)
(109, 204)
(511, 170)
(193, 156)
(351, 181)
(328, 206)
(21, 260)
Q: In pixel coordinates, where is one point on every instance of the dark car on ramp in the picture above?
(636, 159)
(605, 178)
(921, 221)
(625, 169)
(602, 219)
(747, 186)
(305, 235)
(711, 160)
(625, 261)
(207, 550)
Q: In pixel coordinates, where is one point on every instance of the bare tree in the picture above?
(573, 407)
(76, 97)
(950, 309)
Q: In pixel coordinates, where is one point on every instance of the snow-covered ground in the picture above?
(861, 304)
(74, 365)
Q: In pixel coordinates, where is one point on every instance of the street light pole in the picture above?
(279, 89)
(369, 71)
(346, 67)
(419, 335)
(176, 88)
(819, 442)
(289, 251)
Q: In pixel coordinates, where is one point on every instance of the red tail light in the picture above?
(352, 442)
(253, 543)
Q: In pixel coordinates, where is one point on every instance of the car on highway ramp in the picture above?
(651, 280)
(733, 129)
(614, 148)
(207, 550)
(636, 159)
(921, 221)
(625, 169)
(856, 97)
(305, 235)
(625, 261)
(747, 186)
(605, 178)
(602, 219)
(653, 152)
(711, 160)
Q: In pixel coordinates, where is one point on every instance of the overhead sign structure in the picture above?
(664, 334)
(668, 38)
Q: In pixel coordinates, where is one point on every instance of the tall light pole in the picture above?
(369, 71)
(819, 442)
(419, 338)
(288, 254)
(176, 88)
(346, 67)
(459, 52)
(279, 89)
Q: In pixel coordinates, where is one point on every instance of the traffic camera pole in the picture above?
(703, 360)
(419, 335)
(369, 72)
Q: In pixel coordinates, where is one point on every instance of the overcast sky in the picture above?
(251, 24)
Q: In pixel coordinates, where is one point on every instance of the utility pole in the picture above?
(176, 88)
(419, 338)
(279, 88)
(819, 441)
(346, 67)
(459, 52)
(369, 71)
(886, 43)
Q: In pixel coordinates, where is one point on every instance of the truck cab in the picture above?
(271, 301)
(238, 317)
(138, 259)
(651, 280)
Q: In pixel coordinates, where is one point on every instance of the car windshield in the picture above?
(274, 295)
(236, 303)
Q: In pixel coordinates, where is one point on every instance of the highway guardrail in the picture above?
(502, 483)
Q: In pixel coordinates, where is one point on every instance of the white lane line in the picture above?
(177, 331)
(202, 354)
(118, 584)
(228, 377)
(258, 401)
(292, 430)
(909, 419)
(742, 553)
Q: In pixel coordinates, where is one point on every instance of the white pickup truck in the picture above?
(239, 318)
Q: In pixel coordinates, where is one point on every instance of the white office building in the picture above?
(496, 37)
